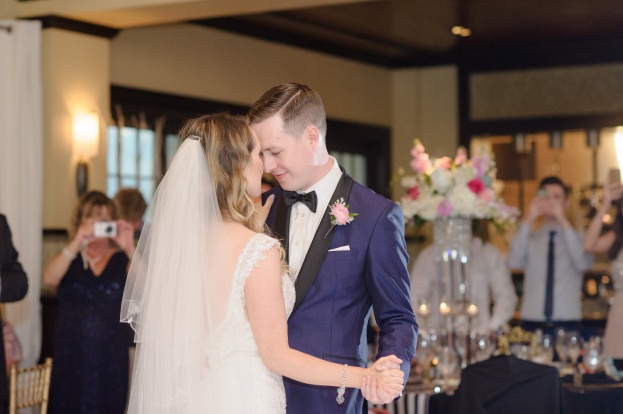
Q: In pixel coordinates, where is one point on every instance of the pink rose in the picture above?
(444, 208)
(414, 192)
(417, 149)
(476, 185)
(420, 163)
(486, 195)
(461, 156)
(444, 163)
(340, 213)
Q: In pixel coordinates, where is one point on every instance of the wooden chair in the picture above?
(30, 387)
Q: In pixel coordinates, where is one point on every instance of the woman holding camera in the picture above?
(611, 242)
(90, 372)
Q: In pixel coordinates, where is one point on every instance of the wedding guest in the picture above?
(610, 242)
(489, 282)
(131, 207)
(90, 354)
(344, 267)
(13, 287)
(553, 261)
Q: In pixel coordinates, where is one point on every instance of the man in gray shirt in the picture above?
(553, 261)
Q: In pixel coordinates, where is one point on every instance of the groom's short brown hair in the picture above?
(298, 106)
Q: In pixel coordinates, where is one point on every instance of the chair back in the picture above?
(507, 385)
(30, 387)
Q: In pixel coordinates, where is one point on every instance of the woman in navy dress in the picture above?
(91, 367)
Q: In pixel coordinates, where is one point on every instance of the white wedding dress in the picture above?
(243, 384)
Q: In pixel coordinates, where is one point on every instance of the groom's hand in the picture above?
(264, 209)
(377, 393)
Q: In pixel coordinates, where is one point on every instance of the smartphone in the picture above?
(105, 229)
(614, 175)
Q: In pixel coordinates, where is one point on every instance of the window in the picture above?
(131, 160)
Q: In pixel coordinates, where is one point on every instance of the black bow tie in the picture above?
(309, 199)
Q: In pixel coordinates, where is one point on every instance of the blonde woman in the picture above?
(90, 345)
(209, 294)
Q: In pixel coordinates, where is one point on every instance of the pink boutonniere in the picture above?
(340, 215)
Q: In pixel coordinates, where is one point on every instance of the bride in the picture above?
(208, 293)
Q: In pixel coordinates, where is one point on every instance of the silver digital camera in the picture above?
(105, 229)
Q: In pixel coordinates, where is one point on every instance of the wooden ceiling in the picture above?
(406, 33)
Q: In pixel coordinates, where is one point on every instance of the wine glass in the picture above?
(593, 354)
(562, 347)
(574, 347)
(543, 352)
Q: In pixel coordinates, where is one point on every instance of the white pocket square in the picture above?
(341, 249)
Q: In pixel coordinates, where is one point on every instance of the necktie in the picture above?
(309, 199)
(549, 286)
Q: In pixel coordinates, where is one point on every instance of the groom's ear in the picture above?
(312, 133)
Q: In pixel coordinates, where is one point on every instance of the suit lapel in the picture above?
(320, 244)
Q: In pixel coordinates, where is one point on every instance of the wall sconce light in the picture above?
(555, 140)
(592, 138)
(86, 135)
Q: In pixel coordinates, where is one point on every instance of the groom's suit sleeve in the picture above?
(387, 277)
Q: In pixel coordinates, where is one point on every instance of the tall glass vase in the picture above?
(452, 238)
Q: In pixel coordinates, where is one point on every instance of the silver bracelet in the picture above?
(68, 254)
(340, 391)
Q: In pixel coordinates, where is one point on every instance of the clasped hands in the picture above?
(384, 381)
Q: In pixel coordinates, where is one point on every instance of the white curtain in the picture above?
(21, 168)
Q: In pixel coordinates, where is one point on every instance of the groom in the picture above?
(342, 269)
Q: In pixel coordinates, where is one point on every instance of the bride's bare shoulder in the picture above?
(238, 235)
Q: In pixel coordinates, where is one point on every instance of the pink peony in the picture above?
(444, 163)
(444, 209)
(414, 192)
(340, 214)
(476, 185)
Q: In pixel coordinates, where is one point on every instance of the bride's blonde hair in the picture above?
(228, 144)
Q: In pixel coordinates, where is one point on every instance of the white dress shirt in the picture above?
(489, 281)
(304, 223)
(528, 251)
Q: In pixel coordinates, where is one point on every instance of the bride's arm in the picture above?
(266, 310)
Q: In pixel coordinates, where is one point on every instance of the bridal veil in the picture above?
(177, 289)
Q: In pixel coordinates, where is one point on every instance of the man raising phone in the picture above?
(553, 261)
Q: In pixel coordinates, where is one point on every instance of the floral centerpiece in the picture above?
(459, 187)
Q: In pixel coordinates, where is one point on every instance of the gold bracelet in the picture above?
(340, 391)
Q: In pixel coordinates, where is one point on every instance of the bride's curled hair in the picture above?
(228, 144)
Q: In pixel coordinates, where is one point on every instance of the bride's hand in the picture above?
(264, 209)
(383, 381)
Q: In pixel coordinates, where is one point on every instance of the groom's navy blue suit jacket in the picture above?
(336, 289)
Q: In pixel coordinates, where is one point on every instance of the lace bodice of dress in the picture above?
(616, 271)
(235, 333)
(251, 255)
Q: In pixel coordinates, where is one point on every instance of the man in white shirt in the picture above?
(489, 282)
(553, 262)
